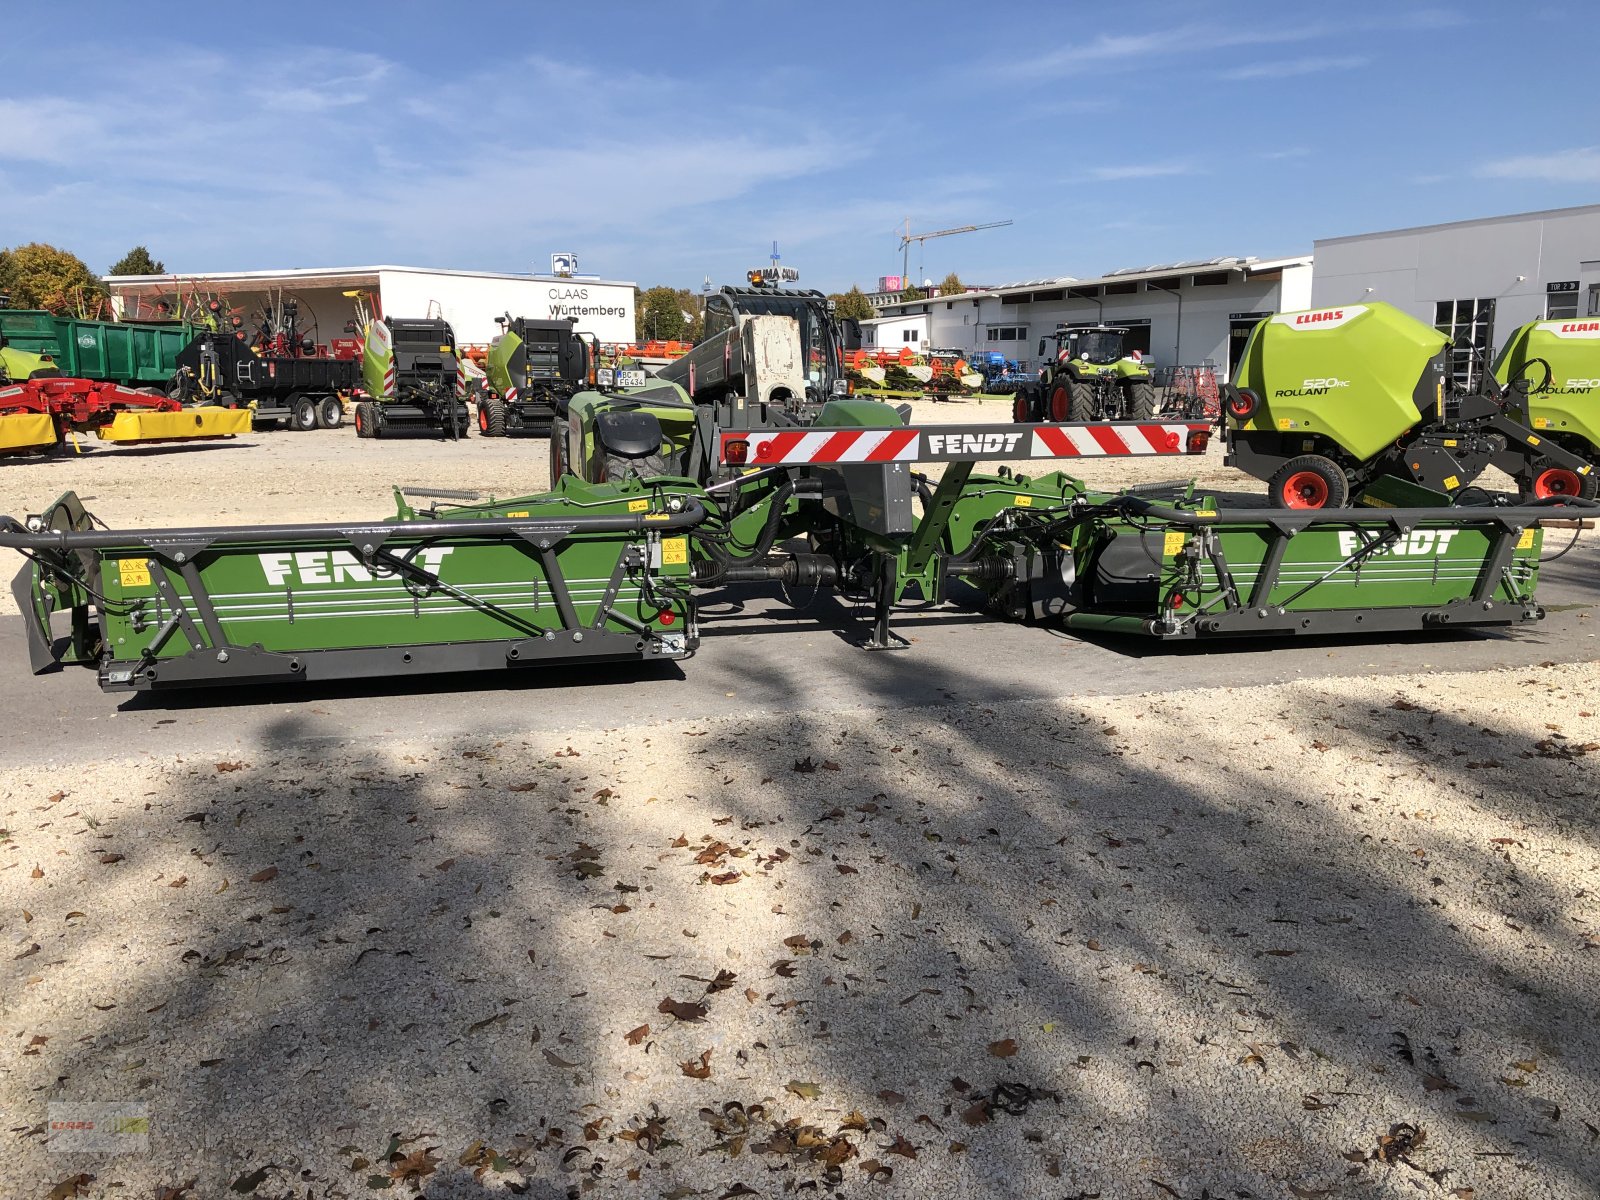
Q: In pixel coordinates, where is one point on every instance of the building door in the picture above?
(1561, 300)
(1240, 325)
(1469, 324)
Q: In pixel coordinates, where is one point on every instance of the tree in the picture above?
(952, 285)
(853, 303)
(694, 314)
(138, 262)
(914, 293)
(658, 315)
(41, 276)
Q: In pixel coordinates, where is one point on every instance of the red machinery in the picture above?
(37, 414)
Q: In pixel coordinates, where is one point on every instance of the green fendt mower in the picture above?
(534, 367)
(764, 475)
(1326, 402)
(413, 380)
(1088, 375)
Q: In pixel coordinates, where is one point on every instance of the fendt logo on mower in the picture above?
(337, 566)
(973, 443)
(1322, 318)
(1420, 543)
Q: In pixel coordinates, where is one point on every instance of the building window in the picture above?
(908, 335)
(1594, 300)
(1560, 306)
(1210, 279)
(1006, 333)
(1469, 324)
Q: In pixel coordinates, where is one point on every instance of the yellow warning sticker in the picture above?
(1451, 442)
(1172, 543)
(519, 513)
(1541, 422)
(1285, 423)
(1022, 501)
(656, 516)
(133, 572)
(1525, 542)
(1451, 483)
(638, 505)
(1205, 512)
(1532, 441)
(674, 551)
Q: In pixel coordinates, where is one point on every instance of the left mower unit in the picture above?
(414, 380)
(40, 409)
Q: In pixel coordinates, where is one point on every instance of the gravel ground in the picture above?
(1319, 939)
(1332, 938)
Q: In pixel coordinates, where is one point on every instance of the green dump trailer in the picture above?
(134, 354)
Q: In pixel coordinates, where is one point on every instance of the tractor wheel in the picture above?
(619, 467)
(330, 413)
(557, 446)
(1552, 482)
(1022, 407)
(302, 412)
(1083, 407)
(1061, 402)
(366, 420)
(491, 416)
(1310, 481)
(1141, 398)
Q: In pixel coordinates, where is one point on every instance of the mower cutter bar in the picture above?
(812, 446)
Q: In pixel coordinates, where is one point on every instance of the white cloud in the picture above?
(1578, 165)
(1289, 68)
(1154, 170)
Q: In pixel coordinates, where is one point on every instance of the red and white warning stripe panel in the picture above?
(962, 443)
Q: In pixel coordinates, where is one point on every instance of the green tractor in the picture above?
(1090, 376)
(534, 368)
(1326, 402)
(413, 380)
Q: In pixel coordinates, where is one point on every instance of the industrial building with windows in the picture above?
(1476, 280)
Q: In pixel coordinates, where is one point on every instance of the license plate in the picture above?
(630, 378)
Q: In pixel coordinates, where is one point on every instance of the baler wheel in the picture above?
(491, 416)
(1310, 481)
(1559, 481)
(366, 420)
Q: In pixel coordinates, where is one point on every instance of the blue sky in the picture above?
(668, 148)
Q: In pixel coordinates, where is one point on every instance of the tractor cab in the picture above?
(1098, 346)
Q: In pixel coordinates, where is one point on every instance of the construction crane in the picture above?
(921, 238)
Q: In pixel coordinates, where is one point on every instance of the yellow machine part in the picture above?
(207, 422)
(26, 431)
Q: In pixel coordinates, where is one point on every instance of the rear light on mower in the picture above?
(666, 616)
(1199, 439)
(736, 453)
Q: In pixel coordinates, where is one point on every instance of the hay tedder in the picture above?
(769, 473)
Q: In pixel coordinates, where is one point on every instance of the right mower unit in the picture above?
(1326, 402)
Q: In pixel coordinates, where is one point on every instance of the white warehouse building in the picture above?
(1475, 280)
(1182, 314)
(469, 300)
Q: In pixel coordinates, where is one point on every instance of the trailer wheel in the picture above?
(366, 420)
(1310, 481)
(302, 412)
(1141, 400)
(491, 416)
(1555, 482)
(330, 413)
